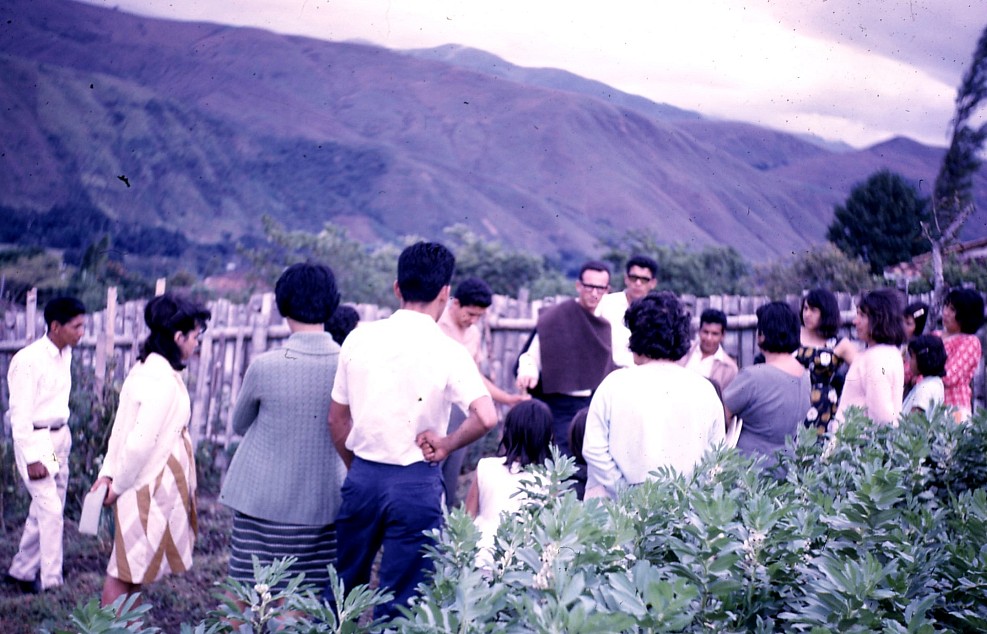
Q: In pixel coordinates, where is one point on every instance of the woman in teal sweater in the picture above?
(285, 477)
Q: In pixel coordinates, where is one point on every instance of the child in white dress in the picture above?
(527, 440)
(927, 361)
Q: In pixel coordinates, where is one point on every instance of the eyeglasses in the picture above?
(594, 288)
(639, 279)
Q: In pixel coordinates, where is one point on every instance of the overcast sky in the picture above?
(860, 71)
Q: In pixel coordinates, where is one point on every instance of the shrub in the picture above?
(880, 529)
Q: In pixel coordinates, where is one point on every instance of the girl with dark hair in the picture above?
(526, 441)
(771, 398)
(927, 358)
(822, 354)
(876, 378)
(149, 468)
(962, 316)
(916, 314)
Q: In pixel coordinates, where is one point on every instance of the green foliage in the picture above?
(507, 272)
(363, 274)
(710, 271)
(880, 529)
(821, 266)
(881, 221)
(24, 268)
(123, 616)
(954, 183)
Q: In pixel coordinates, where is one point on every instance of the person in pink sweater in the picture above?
(962, 316)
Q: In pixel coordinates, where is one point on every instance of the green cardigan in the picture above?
(286, 468)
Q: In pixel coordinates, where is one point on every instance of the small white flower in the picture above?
(262, 589)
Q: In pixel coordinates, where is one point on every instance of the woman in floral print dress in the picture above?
(823, 354)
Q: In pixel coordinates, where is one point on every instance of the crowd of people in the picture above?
(352, 434)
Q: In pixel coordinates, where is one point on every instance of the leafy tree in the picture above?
(821, 266)
(24, 268)
(710, 271)
(364, 274)
(952, 201)
(881, 221)
(507, 272)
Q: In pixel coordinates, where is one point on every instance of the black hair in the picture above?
(930, 355)
(644, 262)
(424, 269)
(969, 308)
(593, 265)
(660, 326)
(474, 292)
(577, 430)
(166, 315)
(63, 310)
(919, 312)
(778, 325)
(884, 318)
(829, 311)
(713, 316)
(527, 434)
(344, 319)
(306, 292)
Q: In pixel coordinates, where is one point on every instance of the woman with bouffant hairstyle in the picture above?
(149, 469)
(655, 413)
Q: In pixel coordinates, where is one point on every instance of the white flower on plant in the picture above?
(543, 579)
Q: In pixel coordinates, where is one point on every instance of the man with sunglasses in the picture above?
(640, 278)
(570, 351)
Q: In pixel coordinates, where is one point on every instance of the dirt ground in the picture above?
(178, 599)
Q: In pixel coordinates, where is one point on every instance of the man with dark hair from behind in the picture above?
(396, 382)
(707, 356)
(640, 278)
(468, 305)
(570, 352)
(40, 380)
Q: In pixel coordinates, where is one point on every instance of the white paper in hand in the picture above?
(92, 505)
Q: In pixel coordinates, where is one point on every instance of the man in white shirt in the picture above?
(40, 381)
(707, 356)
(467, 307)
(395, 384)
(640, 278)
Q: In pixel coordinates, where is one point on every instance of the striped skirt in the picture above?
(156, 524)
(313, 546)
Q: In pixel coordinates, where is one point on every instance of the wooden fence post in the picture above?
(31, 316)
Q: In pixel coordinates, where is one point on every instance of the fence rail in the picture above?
(239, 332)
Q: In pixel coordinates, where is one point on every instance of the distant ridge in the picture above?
(216, 126)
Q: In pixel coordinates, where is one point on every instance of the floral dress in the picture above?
(823, 365)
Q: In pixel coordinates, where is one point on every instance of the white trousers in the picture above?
(41, 542)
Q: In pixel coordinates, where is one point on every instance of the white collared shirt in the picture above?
(400, 376)
(704, 366)
(40, 381)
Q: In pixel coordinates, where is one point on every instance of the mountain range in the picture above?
(202, 129)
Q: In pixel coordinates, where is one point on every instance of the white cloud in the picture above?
(856, 70)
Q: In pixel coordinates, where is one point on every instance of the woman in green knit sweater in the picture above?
(285, 477)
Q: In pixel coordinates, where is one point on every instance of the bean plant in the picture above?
(877, 529)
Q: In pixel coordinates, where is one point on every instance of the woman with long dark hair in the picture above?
(149, 468)
(876, 377)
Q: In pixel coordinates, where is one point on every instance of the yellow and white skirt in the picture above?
(156, 525)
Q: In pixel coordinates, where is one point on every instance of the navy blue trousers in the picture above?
(564, 408)
(390, 507)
